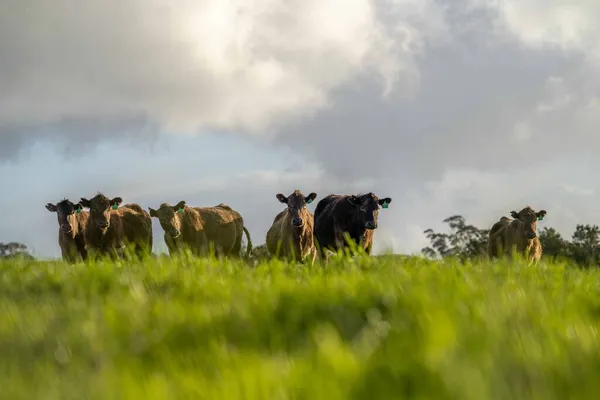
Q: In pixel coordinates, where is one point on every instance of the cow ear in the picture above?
(281, 198)
(78, 207)
(540, 214)
(384, 203)
(51, 207)
(310, 198)
(514, 214)
(85, 202)
(152, 212)
(115, 202)
(179, 206)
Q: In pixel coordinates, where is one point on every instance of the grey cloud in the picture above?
(270, 64)
(76, 135)
(469, 99)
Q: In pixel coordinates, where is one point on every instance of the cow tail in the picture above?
(249, 245)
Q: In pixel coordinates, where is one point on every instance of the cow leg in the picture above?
(66, 256)
(324, 254)
(82, 251)
(202, 244)
(320, 250)
(369, 248)
(237, 246)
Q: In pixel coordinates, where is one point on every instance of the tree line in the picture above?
(466, 241)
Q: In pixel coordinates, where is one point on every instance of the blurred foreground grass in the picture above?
(382, 328)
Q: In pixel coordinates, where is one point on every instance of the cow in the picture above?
(355, 215)
(71, 221)
(200, 228)
(518, 233)
(111, 228)
(291, 235)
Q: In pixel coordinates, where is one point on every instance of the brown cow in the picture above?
(291, 234)
(200, 228)
(518, 234)
(71, 221)
(111, 228)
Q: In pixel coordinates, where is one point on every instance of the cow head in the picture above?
(64, 209)
(169, 217)
(100, 208)
(296, 202)
(529, 218)
(367, 208)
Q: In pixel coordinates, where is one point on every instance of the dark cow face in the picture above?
(100, 208)
(367, 208)
(64, 209)
(169, 217)
(296, 202)
(529, 218)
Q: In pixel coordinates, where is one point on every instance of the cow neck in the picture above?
(357, 230)
(187, 226)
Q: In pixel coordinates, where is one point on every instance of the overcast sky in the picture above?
(475, 107)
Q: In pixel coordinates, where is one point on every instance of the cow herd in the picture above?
(103, 227)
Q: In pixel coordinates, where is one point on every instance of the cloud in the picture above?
(189, 65)
(567, 25)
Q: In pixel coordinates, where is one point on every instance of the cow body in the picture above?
(137, 229)
(291, 235)
(72, 221)
(200, 228)
(518, 234)
(354, 215)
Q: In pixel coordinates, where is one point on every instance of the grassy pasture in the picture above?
(386, 327)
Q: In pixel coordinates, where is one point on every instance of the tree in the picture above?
(585, 245)
(553, 245)
(464, 241)
(13, 249)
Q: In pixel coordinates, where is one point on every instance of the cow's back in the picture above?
(221, 224)
(326, 205)
(137, 224)
(218, 215)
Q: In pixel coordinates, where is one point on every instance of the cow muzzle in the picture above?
(66, 228)
(371, 225)
(175, 233)
(102, 224)
(297, 222)
(530, 235)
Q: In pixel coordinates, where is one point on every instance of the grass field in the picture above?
(386, 327)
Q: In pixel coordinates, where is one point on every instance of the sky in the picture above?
(471, 107)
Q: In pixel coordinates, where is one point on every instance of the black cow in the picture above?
(355, 215)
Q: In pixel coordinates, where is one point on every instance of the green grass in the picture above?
(383, 328)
